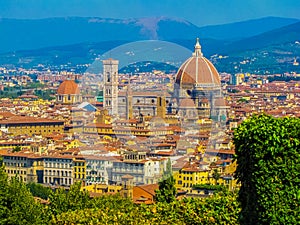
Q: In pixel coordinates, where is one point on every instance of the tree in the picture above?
(168, 171)
(39, 190)
(167, 190)
(222, 208)
(17, 205)
(268, 159)
(23, 208)
(62, 200)
(216, 175)
(4, 196)
(17, 149)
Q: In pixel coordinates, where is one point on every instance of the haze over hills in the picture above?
(58, 41)
(289, 33)
(245, 29)
(25, 34)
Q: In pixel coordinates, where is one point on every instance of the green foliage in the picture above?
(62, 200)
(222, 208)
(45, 94)
(39, 190)
(242, 100)
(216, 175)
(23, 208)
(268, 159)
(168, 171)
(210, 187)
(17, 205)
(167, 190)
(4, 196)
(33, 85)
(17, 149)
(11, 92)
(283, 78)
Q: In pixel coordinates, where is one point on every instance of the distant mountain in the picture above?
(84, 53)
(57, 42)
(81, 53)
(21, 34)
(245, 29)
(286, 34)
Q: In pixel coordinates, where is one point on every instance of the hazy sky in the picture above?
(199, 12)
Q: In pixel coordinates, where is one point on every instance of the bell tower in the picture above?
(110, 90)
(161, 107)
(129, 110)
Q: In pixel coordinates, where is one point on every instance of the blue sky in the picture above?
(199, 12)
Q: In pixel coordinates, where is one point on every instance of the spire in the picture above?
(197, 52)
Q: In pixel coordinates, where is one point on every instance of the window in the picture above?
(108, 76)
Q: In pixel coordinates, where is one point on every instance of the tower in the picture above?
(161, 107)
(110, 90)
(129, 109)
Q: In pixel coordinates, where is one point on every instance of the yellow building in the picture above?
(201, 173)
(125, 188)
(20, 125)
(102, 188)
(186, 178)
(9, 145)
(79, 169)
(74, 144)
(28, 167)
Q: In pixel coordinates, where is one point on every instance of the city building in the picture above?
(22, 124)
(110, 90)
(197, 89)
(58, 170)
(28, 167)
(68, 93)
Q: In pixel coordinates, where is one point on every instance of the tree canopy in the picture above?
(268, 159)
(167, 190)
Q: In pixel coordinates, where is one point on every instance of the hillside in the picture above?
(273, 59)
(269, 52)
(286, 34)
(244, 29)
(25, 34)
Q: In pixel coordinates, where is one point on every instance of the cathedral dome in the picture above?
(197, 71)
(68, 87)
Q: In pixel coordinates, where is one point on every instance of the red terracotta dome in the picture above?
(68, 87)
(198, 70)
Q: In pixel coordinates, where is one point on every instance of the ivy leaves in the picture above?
(268, 158)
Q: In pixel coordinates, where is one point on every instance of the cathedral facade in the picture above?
(196, 94)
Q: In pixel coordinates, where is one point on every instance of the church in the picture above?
(197, 88)
(196, 93)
